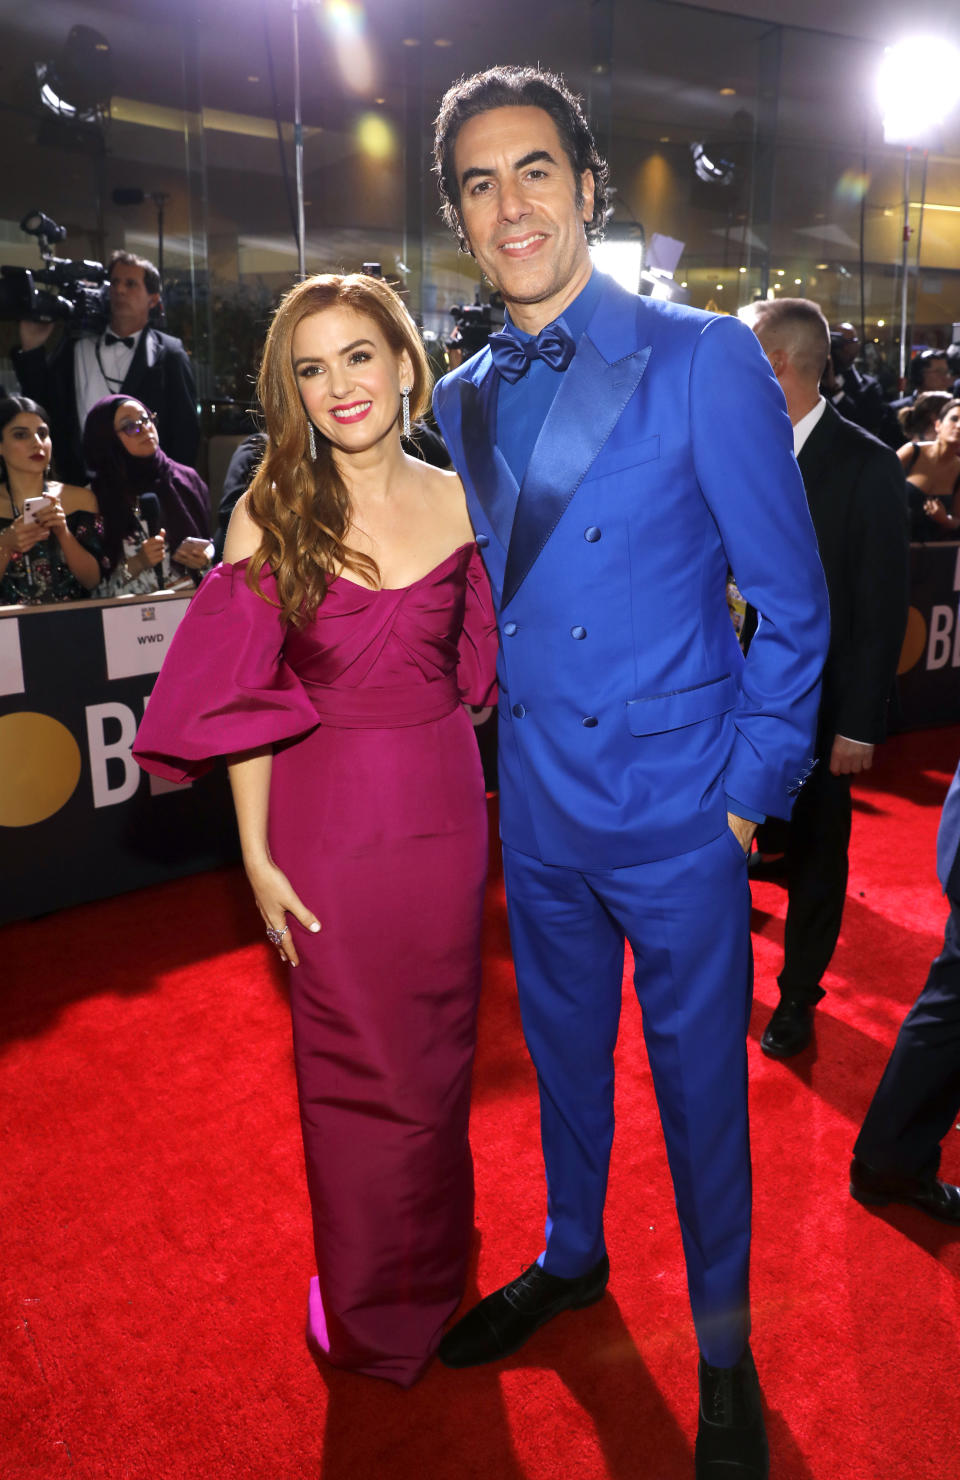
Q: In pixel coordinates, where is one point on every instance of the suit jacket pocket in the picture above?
(672, 711)
(614, 459)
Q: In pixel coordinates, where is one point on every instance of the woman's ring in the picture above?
(276, 936)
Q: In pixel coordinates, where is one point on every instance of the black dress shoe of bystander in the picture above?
(773, 868)
(503, 1321)
(876, 1189)
(789, 1029)
(731, 1437)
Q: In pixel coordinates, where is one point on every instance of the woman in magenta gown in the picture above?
(327, 659)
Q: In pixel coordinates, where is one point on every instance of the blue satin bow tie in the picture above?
(512, 357)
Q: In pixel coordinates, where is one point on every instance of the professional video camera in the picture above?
(475, 322)
(72, 292)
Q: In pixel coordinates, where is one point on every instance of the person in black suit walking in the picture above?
(858, 503)
(897, 1153)
(129, 357)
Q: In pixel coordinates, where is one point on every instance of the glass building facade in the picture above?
(182, 127)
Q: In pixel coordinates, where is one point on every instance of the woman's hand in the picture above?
(276, 899)
(52, 519)
(195, 553)
(151, 551)
(19, 537)
(934, 508)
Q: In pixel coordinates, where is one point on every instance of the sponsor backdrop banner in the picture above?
(929, 674)
(79, 820)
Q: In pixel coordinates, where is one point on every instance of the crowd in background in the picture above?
(100, 493)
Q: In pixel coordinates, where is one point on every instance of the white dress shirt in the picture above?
(806, 425)
(99, 369)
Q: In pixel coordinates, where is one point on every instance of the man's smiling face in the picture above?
(520, 212)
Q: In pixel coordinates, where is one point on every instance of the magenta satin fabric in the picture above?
(377, 815)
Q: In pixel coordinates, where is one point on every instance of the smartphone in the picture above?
(31, 506)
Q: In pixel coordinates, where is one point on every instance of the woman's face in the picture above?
(25, 444)
(948, 427)
(134, 426)
(349, 377)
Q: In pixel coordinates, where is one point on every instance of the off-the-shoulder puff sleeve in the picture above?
(224, 686)
(477, 671)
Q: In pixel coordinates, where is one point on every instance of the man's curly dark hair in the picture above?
(517, 87)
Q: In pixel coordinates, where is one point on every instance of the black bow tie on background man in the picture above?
(512, 356)
(129, 340)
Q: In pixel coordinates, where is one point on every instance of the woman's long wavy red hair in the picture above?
(301, 506)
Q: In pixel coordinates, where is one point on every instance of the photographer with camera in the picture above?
(50, 533)
(128, 356)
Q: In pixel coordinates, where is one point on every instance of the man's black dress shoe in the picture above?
(789, 1029)
(501, 1323)
(731, 1438)
(876, 1189)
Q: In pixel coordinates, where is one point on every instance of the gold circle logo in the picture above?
(39, 768)
(914, 642)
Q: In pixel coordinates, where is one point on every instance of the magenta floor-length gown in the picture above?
(377, 816)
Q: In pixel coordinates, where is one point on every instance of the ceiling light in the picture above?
(77, 86)
(728, 92)
(710, 167)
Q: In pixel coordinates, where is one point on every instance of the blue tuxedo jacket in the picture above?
(627, 714)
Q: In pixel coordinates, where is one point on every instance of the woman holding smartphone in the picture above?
(50, 533)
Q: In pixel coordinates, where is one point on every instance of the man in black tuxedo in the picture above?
(897, 1154)
(856, 396)
(129, 357)
(858, 502)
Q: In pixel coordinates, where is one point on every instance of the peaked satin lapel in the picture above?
(585, 411)
(487, 470)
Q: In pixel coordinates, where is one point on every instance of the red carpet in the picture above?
(156, 1242)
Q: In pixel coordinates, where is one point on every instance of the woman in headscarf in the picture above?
(156, 512)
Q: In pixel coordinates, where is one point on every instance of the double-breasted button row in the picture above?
(589, 721)
(510, 630)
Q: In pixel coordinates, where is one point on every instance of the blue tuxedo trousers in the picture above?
(687, 919)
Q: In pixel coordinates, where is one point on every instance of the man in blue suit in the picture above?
(617, 454)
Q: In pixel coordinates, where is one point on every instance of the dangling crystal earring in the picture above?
(311, 441)
(405, 398)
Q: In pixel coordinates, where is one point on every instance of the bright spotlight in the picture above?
(622, 260)
(917, 86)
(347, 24)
